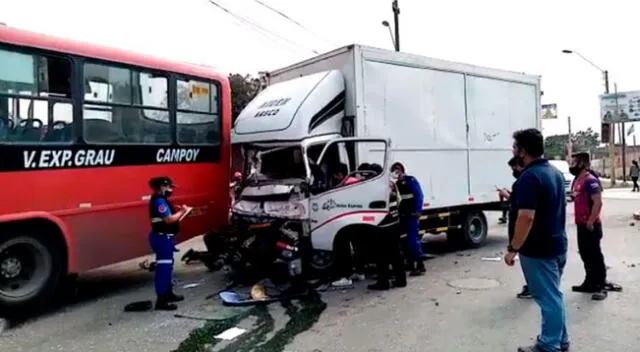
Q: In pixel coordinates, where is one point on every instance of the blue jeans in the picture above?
(543, 278)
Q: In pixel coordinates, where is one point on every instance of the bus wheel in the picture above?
(30, 271)
(473, 231)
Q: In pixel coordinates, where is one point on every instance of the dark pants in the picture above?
(360, 250)
(591, 254)
(162, 246)
(636, 187)
(344, 257)
(388, 252)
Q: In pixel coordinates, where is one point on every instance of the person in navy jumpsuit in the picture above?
(410, 209)
(165, 224)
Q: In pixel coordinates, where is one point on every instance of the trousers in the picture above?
(162, 246)
(412, 226)
(543, 277)
(591, 254)
(389, 253)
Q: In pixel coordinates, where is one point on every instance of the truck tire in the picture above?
(473, 231)
(31, 271)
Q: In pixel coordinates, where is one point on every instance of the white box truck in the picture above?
(450, 124)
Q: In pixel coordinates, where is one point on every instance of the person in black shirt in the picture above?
(539, 237)
(516, 169)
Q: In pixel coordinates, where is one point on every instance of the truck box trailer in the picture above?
(450, 124)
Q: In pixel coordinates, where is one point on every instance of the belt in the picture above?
(163, 234)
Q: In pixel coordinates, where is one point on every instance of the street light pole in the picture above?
(396, 23)
(612, 129)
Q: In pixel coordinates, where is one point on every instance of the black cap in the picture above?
(397, 166)
(583, 155)
(157, 182)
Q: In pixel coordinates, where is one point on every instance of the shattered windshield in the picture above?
(276, 163)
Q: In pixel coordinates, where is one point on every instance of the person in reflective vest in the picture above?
(165, 224)
(410, 209)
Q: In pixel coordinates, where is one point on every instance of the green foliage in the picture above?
(555, 146)
(243, 89)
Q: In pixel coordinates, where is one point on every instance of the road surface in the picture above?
(464, 303)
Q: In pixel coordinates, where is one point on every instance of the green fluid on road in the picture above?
(302, 316)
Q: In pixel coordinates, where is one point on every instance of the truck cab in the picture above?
(298, 153)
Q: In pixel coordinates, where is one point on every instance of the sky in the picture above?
(514, 35)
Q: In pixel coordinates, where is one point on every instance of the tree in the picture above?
(243, 90)
(555, 146)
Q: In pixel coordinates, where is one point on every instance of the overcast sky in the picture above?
(515, 35)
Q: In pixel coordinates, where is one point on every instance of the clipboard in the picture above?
(186, 213)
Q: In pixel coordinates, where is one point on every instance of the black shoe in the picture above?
(399, 283)
(584, 288)
(163, 304)
(188, 257)
(601, 295)
(524, 293)
(419, 271)
(172, 297)
(379, 286)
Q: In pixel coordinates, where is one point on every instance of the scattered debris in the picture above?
(632, 224)
(437, 303)
(230, 334)
(458, 292)
(455, 262)
(491, 259)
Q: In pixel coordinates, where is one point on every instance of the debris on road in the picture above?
(230, 334)
(491, 259)
(636, 215)
(188, 286)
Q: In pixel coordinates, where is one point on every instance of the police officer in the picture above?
(411, 200)
(165, 224)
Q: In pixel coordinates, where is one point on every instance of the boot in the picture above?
(172, 297)
(419, 270)
(163, 303)
(380, 286)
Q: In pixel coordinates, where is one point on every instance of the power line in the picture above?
(257, 27)
(288, 18)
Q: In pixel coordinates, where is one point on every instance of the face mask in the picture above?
(167, 193)
(516, 173)
(575, 170)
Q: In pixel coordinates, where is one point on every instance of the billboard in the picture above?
(549, 111)
(620, 107)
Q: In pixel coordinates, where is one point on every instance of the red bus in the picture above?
(82, 130)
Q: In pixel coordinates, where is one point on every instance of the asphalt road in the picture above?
(464, 303)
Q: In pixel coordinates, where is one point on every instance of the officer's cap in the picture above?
(157, 182)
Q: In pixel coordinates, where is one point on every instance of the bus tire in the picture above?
(32, 269)
(473, 231)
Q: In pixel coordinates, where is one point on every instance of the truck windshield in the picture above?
(277, 163)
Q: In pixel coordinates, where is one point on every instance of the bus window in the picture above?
(33, 90)
(125, 106)
(197, 115)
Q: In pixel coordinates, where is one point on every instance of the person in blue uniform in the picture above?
(410, 209)
(165, 224)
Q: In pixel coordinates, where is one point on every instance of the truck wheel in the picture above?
(31, 269)
(473, 231)
(322, 261)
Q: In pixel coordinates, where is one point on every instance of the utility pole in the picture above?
(396, 23)
(612, 135)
